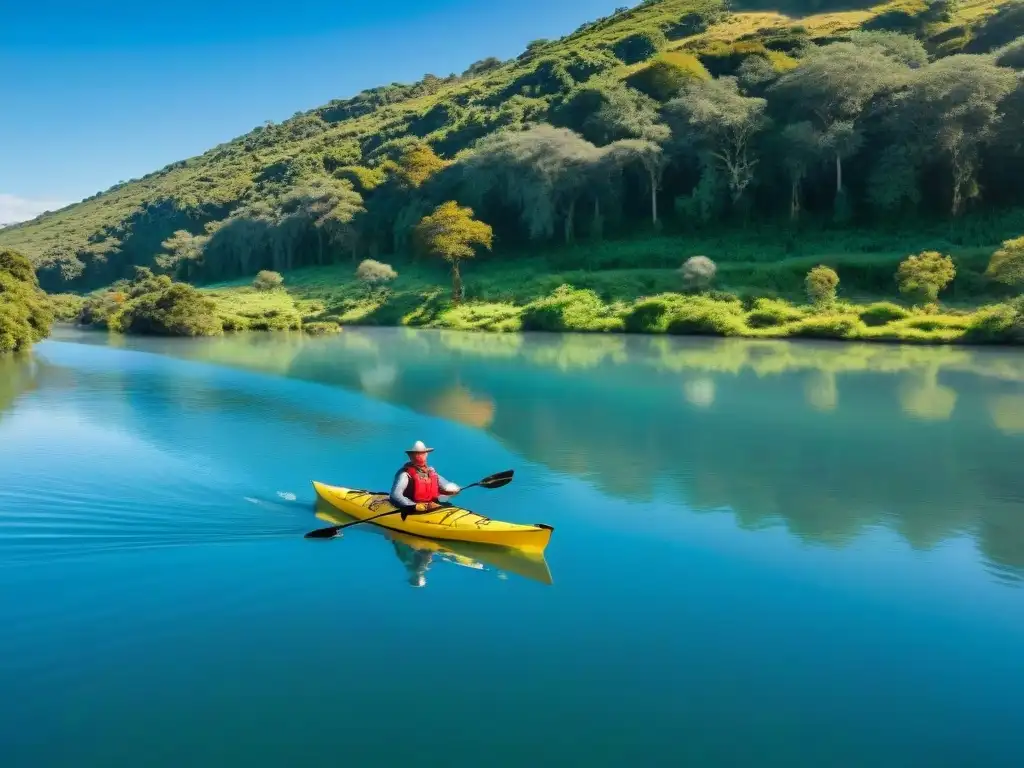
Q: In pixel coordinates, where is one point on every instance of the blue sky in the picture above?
(99, 92)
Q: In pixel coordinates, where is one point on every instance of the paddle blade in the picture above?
(496, 482)
(324, 533)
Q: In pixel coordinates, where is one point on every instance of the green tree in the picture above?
(1007, 264)
(951, 110)
(452, 233)
(832, 88)
(821, 284)
(923, 277)
(714, 120)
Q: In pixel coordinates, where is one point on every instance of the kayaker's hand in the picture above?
(426, 507)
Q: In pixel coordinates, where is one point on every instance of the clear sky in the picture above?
(92, 93)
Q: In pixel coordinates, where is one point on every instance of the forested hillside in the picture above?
(678, 116)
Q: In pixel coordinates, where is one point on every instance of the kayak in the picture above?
(448, 523)
(529, 565)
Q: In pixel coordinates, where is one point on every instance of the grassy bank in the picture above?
(590, 290)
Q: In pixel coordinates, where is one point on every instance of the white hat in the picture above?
(419, 447)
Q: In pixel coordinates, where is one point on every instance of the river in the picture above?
(765, 553)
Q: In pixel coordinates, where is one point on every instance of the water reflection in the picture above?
(828, 439)
(18, 376)
(417, 555)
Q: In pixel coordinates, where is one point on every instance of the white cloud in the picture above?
(14, 209)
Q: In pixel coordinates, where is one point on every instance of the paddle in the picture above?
(491, 481)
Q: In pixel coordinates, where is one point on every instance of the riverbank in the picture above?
(328, 297)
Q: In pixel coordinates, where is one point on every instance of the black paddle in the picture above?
(492, 481)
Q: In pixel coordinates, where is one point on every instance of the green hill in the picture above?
(672, 119)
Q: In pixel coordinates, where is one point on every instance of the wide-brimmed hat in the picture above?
(419, 447)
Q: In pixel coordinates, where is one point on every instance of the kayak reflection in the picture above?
(418, 554)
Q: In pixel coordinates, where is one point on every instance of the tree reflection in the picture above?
(828, 439)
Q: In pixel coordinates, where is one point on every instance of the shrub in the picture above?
(827, 327)
(882, 312)
(66, 306)
(639, 46)
(922, 277)
(321, 329)
(570, 309)
(267, 280)
(648, 316)
(26, 314)
(772, 312)
(699, 315)
(821, 284)
(179, 310)
(1002, 324)
(1007, 264)
(98, 310)
(698, 272)
(374, 273)
(1012, 55)
(663, 78)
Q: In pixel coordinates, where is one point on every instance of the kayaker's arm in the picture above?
(446, 488)
(397, 496)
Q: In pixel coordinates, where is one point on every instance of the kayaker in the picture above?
(418, 485)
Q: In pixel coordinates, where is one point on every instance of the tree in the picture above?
(182, 249)
(373, 273)
(832, 88)
(924, 276)
(698, 272)
(1007, 264)
(821, 284)
(267, 280)
(951, 108)
(452, 233)
(606, 111)
(540, 172)
(418, 163)
(649, 155)
(802, 149)
(719, 123)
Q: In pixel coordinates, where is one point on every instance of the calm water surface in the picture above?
(764, 554)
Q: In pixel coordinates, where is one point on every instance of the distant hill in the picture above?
(712, 106)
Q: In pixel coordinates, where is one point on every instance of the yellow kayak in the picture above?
(449, 523)
(529, 565)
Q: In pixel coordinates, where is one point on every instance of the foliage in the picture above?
(923, 276)
(821, 284)
(66, 306)
(698, 272)
(882, 312)
(267, 280)
(772, 312)
(26, 314)
(639, 46)
(1007, 264)
(819, 103)
(374, 272)
(452, 233)
(321, 328)
(153, 305)
(178, 310)
(667, 74)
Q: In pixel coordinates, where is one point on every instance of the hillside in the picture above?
(675, 116)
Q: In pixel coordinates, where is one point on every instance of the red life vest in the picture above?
(422, 489)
